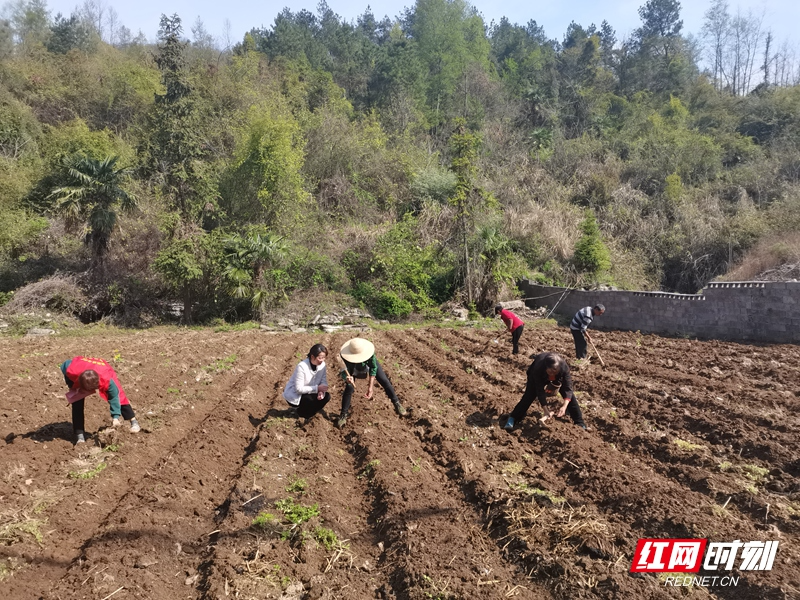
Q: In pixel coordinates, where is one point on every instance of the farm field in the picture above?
(223, 496)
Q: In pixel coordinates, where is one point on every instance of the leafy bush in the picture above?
(389, 305)
(435, 183)
(384, 304)
(311, 269)
(19, 229)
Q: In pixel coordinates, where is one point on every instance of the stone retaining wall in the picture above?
(760, 311)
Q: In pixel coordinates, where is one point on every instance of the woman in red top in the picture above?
(85, 376)
(513, 323)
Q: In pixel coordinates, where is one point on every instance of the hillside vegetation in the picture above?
(396, 163)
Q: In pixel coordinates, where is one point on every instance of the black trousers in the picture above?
(382, 380)
(515, 335)
(77, 414)
(580, 343)
(309, 405)
(573, 409)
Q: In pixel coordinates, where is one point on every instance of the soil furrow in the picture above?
(154, 540)
(609, 488)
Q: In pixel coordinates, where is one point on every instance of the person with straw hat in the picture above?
(360, 362)
(548, 376)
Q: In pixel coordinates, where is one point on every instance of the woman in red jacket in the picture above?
(513, 323)
(85, 376)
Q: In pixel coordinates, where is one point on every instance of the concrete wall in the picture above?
(755, 311)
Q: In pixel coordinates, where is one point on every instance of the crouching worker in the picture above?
(548, 375)
(514, 325)
(307, 390)
(85, 376)
(360, 362)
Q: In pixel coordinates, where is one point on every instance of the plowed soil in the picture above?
(224, 495)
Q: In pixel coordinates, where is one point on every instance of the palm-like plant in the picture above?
(94, 189)
(250, 257)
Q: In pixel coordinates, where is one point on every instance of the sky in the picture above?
(781, 16)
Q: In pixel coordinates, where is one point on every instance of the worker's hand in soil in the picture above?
(115, 422)
(368, 395)
(563, 410)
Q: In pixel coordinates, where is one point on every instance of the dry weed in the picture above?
(17, 523)
(767, 257)
(562, 529)
(59, 293)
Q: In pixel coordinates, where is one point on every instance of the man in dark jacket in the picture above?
(547, 376)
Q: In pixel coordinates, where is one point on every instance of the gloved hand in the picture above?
(115, 422)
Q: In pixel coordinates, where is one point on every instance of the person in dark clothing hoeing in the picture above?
(547, 376)
(360, 362)
(582, 319)
(514, 324)
(85, 376)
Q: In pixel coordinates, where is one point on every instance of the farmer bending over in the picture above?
(547, 376)
(85, 376)
(360, 362)
(582, 319)
(513, 323)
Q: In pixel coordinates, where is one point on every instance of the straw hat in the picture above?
(357, 350)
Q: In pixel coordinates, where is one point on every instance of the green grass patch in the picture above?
(295, 512)
(327, 538)
(687, 446)
(370, 469)
(90, 474)
(113, 447)
(246, 326)
(755, 473)
(19, 526)
(297, 486)
(221, 365)
(524, 488)
(512, 468)
(264, 520)
(725, 466)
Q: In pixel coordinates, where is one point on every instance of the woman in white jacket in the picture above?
(307, 390)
